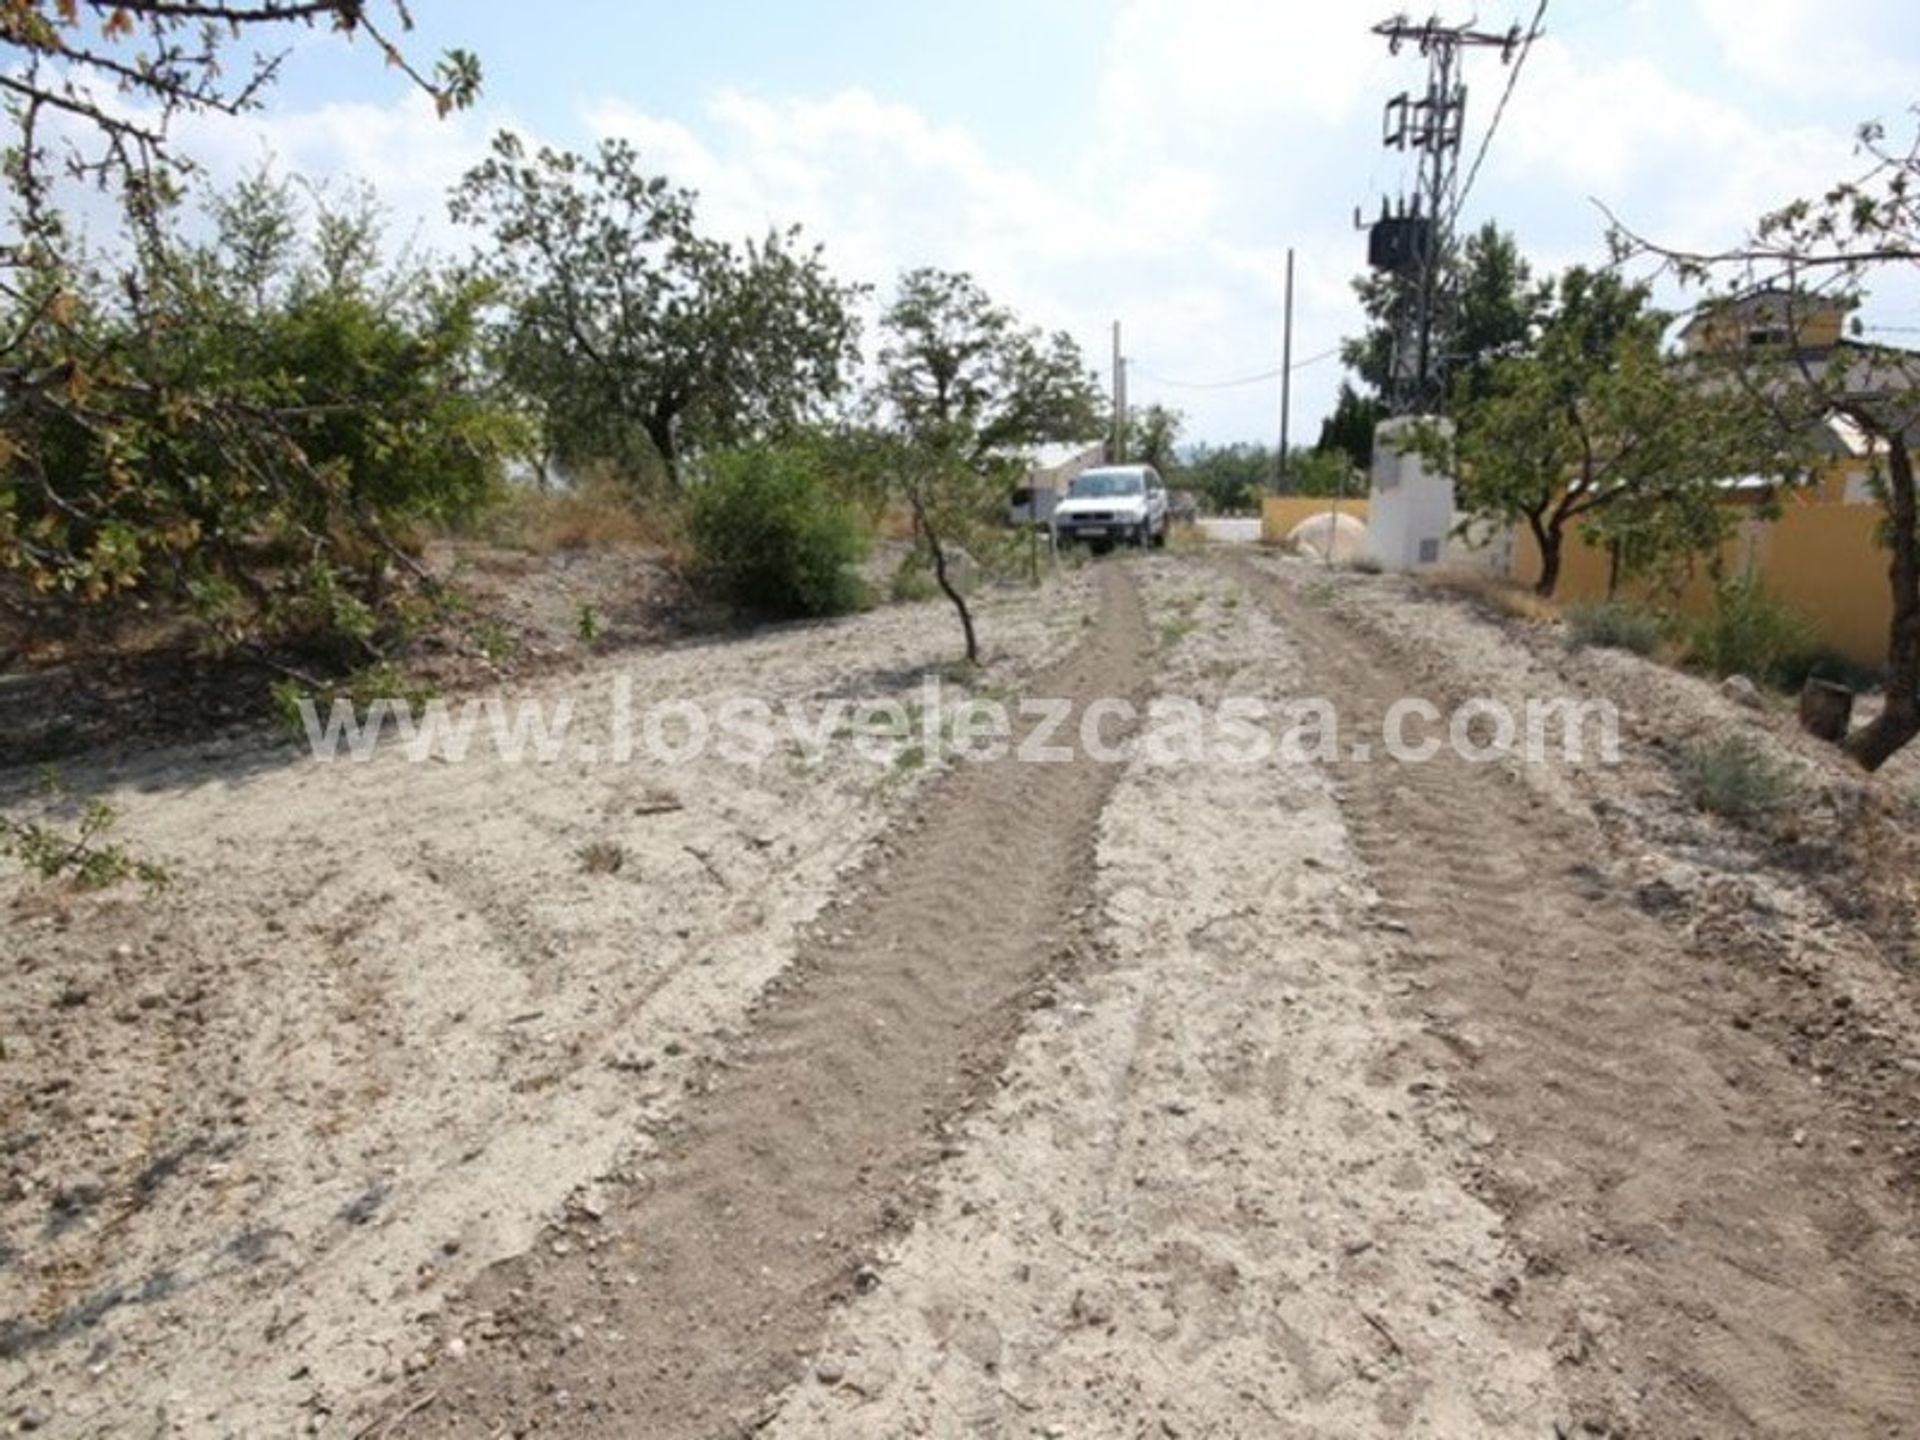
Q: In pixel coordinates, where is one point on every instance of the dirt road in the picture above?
(694, 1301)
(1695, 1264)
(1085, 1099)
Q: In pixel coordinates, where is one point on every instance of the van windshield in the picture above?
(1098, 484)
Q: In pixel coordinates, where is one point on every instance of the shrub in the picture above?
(1734, 778)
(85, 856)
(1613, 626)
(1749, 633)
(768, 534)
(1823, 662)
(913, 581)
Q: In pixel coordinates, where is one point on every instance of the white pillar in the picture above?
(1411, 508)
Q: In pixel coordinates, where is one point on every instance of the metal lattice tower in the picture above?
(1413, 240)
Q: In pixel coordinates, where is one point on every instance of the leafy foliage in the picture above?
(769, 535)
(1228, 477)
(961, 374)
(1234, 477)
(1153, 438)
(1323, 473)
(634, 337)
(158, 436)
(244, 426)
(1614, 625)
(1349, 429)
(1487, 306)
(113, 77)
(1595, 427)
(1823, 251)
(1750, 633)
(913, 580)
(1735, 778)
(965, 389)
(86, 855)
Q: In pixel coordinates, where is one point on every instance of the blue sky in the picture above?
(1147, 160)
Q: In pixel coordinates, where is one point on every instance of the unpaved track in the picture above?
(1197, 1205)
(1706, 1253)
(680, 1310)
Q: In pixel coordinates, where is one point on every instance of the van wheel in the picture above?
(1160, 538)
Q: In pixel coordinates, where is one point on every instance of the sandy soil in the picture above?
(386, 1024)
(1701, 1087)
(1097, 1099)
(1200, 1203)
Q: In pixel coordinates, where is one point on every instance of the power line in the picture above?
(1412, 244)
(1262, 377)
(1499, 111)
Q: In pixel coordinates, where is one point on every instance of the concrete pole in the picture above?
(1286, 379)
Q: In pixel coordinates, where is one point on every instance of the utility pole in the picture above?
(1117, 445)
(1286, 381)
(1414, 241)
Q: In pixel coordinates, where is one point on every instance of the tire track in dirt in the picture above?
(1698, 1268)
(683, 1307)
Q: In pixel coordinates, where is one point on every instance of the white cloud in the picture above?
(409, 155)
(885, 189)
(1672, 161)
(1864, 48)
(1222, 131)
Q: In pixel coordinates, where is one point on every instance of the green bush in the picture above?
(84, 856)
(913, 581)
(1734, 778)
(1612, 625)
(768, 534)
(1749, 633)
(1823, 662)
(258, 442)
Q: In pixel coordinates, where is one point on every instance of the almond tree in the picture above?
(636, 337)
(967, 390)
(1825, 251)
(139, 451)
(1595, 430)
(960, 373)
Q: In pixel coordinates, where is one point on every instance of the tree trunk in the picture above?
(946, 585)
(1899, 722)
(659, 427)
(1548, 538)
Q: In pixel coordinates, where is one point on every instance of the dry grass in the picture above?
(1184, 538)
(602, 857)
(597, 513)
(1502, 596)
(895, 523)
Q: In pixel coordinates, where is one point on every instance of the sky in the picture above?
(1147, 161)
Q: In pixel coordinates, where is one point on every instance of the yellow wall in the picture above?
(1822, 560)
(1280, 514)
